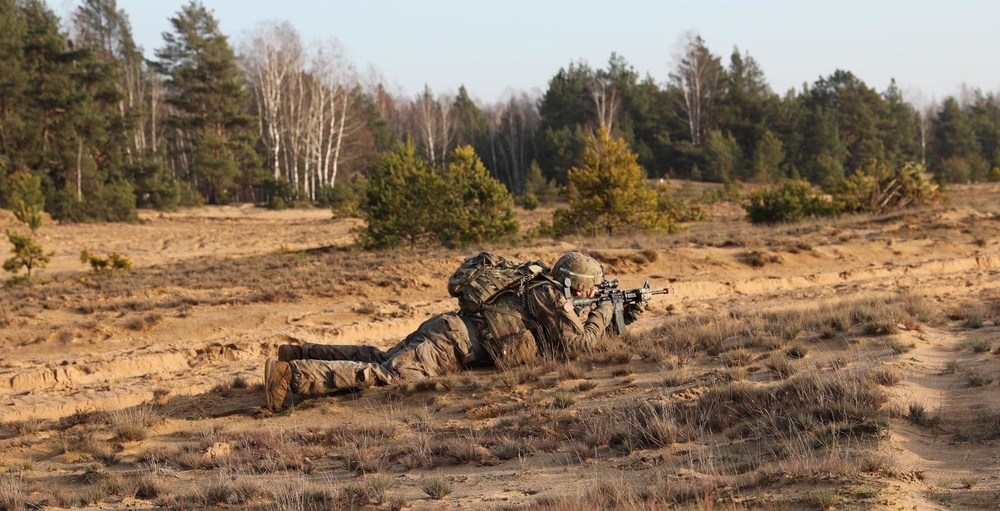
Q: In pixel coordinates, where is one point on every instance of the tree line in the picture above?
(275, 120)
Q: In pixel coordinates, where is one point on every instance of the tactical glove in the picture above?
(633, 311)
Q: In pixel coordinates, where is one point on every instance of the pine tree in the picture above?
(609, 195)
(26, 253)
(477, 207)
(403, 193)
(212, 135)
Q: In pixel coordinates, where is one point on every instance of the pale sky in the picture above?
(930, 47)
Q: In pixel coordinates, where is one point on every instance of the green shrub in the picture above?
(26, 252)
(529, 201)
(346, 198)
(24, 197)
(791, 202)
(609, 195)
(410, 202)
(114, 262)
(113, 202)
(879, 188)
(280, 193)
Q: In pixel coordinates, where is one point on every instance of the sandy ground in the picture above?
(214, 291)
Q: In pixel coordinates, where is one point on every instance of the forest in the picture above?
(92, 130)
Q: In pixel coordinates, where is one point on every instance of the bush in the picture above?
(113, 202)
(153, 184)
(100, 265)
(477, 207)
(346, 198)
(409, 202)
(402, 192)
(791, 202)
(280, 194)
(879, 188)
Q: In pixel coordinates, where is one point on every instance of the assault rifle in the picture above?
(608, 292)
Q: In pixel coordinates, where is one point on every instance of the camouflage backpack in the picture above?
(482, 277)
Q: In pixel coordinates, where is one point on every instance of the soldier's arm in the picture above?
(564, 328)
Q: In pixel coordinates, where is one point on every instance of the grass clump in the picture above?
(918, 415)
(436, 487)
(132, 424)
(562, 400)
(979, 379)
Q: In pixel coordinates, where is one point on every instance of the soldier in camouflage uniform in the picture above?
(517, 327)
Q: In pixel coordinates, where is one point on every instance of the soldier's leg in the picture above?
(368, 354)
(318, 377)
(441, 345)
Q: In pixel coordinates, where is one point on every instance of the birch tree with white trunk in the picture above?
(272, 58)
(697, 75)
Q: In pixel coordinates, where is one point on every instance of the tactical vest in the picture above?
(504, 332)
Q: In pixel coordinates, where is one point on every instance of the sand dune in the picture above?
(214, 291)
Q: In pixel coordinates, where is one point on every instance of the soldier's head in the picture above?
(578, 272)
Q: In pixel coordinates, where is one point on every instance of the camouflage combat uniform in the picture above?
(539, 318)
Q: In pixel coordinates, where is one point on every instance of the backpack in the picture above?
(482, 277)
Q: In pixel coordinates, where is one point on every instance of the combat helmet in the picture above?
(582, 271)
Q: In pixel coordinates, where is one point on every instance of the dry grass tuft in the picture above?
(436, 487)
(132, 424)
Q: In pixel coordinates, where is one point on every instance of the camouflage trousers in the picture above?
(443, 344)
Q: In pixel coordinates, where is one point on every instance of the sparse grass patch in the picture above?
(974, 321)
(378, 488)
(361, 460)
(923, 309)
(969, 482)
(573, 371)
(738, 357)
(27, 427)
(977, 379)
(759, 258)
(884, 375)
(562, 400)
(797, 350)
(824, 500)
(838, 363)
(13, 493)
(132, 424)
(144, 323)
(981, 346)
(461, 450)
(899, 347)
(877, 463)
(919, 416)
(780, 366)
(951, 367)
(436, 487)
(103, 452)
(942, 496)
(584, 386)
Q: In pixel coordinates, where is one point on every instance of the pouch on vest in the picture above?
(506, 337)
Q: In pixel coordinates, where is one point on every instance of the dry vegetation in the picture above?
(840, 364)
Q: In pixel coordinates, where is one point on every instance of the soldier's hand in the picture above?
(605, 312)
(633, 311)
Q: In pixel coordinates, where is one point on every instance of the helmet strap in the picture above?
(568, 288)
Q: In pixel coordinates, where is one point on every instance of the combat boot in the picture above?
(277, 381)
(289, 352)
